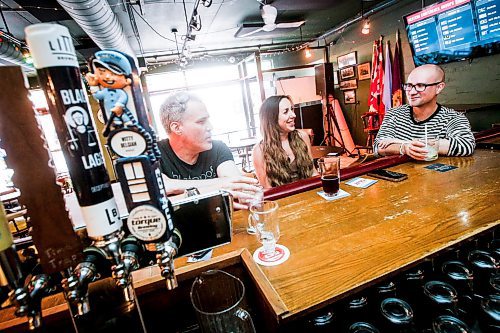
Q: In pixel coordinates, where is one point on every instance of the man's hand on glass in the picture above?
(245, 190)
(415, 149)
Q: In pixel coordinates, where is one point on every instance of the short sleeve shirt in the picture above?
(204, 168)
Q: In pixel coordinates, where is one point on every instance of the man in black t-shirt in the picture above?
(204, 168)
(191, 159)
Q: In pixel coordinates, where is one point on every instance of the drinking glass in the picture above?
(444, 324)
(396, 316)
(264, 217)
(432, 146)
(257, 198)
(329, 169)
(219, 300)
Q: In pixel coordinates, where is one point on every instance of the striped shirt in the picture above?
(445, 123)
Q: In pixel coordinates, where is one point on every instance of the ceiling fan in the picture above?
(269, 14)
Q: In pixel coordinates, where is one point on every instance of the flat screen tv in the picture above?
(454, 30)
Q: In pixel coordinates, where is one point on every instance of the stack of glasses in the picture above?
(457, 291)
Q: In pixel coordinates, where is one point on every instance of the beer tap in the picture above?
(27, 299)
(58, 71)
(136, 156)
(76, 283)
(57, 251)
(150, 218)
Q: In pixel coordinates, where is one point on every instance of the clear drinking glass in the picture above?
(264, 217)
(218, 298)
(432, 146)
(329, 169)
(257, 198)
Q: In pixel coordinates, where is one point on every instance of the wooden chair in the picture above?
(371, 125)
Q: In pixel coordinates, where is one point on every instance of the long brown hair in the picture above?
(278, 169)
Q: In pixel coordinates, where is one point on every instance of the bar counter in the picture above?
(340, 247)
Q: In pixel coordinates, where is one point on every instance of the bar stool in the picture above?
(371, 126)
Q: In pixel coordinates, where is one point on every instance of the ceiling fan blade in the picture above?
(269, 14)
(290, 24)
(251, 32)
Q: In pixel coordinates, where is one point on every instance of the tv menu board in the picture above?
(454, 30)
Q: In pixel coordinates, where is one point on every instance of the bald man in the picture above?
(404, 125)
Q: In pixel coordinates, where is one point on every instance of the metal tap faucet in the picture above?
(76, 286)
(28, 300)
(165, 260)
(130, 250)
(77, 283)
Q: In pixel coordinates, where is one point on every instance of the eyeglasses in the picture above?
(419, 87)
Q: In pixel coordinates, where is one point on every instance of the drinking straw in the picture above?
(425, 131)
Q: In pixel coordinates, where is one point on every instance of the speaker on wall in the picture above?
(310, 115)
(324, 79)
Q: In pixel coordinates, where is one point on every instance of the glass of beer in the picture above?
(329, 169)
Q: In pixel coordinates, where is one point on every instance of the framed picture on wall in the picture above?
(348, 59)
(350, 97)
(349, 84)
(364, 72)
(336, 78)
(347, 72)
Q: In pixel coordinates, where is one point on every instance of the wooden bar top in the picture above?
(340, 246)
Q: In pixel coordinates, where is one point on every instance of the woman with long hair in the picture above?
(284, 154)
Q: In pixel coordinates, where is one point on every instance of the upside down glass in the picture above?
(218, 298)
(329, 169)
(264, 217)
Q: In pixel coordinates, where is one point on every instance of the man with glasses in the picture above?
(191, 159)
(404, 125)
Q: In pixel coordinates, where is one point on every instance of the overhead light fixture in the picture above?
(366, 27)
(308, 53)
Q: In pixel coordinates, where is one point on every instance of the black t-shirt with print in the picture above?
(204, 168)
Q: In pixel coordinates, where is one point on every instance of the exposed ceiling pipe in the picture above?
(10, 53)
(358, 18)
(99, 21)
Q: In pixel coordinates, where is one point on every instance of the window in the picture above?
(219, 88)
(45, 121)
